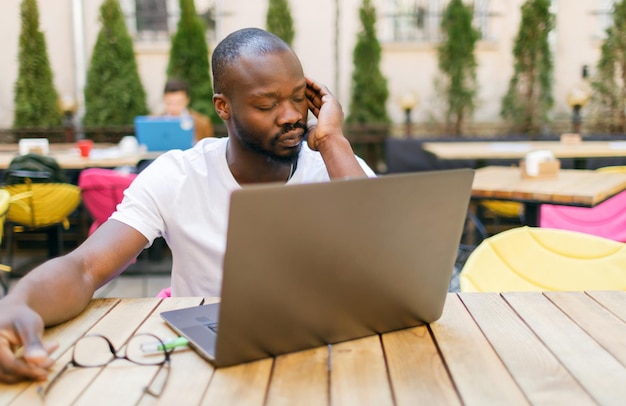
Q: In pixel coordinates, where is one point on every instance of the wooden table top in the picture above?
(518, 149)
(103, 155)
(487, 348)
(571, 186)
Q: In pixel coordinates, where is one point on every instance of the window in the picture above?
(420, 20)
(149, 20)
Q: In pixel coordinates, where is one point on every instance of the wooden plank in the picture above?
(128, 379)
(608, 330)
(478, 373)
(580, 187)
(244, 384)
(189, 373)
(358, 374)
(612, 300)
(518, 149)
(535, 369)
(65, 335)
(300, 378)
(418, 375)
(595, 369)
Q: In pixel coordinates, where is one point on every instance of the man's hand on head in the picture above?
(326, 108)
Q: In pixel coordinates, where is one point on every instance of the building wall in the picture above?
(407, 66)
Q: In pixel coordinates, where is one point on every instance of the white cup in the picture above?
(129, 145)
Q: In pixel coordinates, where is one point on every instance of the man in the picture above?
(263, 97)
(176, 101)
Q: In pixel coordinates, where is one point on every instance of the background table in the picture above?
(484, 150)
(514, 348)
(103, 155)
(573, 187)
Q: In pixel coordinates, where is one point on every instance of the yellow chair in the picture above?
(5, 198)
(38, 206)
(541, 259)
(612, 169)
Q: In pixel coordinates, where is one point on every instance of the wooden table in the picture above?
(103, 155)
(483, 150)
(514, 348)
(573, 187)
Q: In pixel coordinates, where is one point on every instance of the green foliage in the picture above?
(609, 96)
(114, 94)
(369, 86)
(279, 21)
(529, 97)
(189, 59)
(458, 63)
(36, 99)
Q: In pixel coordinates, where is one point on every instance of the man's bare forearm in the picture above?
(339, 158)
(57, 290)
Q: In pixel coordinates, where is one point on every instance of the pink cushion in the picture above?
(608, 219)
(102, 190)
(165, 293)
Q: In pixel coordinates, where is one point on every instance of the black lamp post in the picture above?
(68, 107)
(408, 102)
(577, 98)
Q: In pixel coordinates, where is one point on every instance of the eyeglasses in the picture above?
(94, 350)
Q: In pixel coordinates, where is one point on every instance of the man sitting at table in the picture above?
(263, 97)
(176, 101)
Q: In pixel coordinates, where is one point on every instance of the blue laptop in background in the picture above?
(161, 133)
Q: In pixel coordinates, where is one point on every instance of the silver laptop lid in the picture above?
(307, 265)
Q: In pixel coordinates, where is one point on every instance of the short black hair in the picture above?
(250, 41)
(176, 85)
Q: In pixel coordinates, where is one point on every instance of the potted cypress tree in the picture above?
(36, 99)
(114, 94)
(367, 120)
(189, 44)
(529, 99)
(608, 99)
(279, 21)
(457, 64)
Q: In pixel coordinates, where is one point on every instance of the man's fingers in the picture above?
(13, 369)
(29, 330)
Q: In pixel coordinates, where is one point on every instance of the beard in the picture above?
(250, 141)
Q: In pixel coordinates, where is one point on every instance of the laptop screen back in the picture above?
(308, 265)
(164, 133)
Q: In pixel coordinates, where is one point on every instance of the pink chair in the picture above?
(102, 190)
(608, 219)
(165, 293)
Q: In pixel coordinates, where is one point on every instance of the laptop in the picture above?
(160, 133)
(316, 264)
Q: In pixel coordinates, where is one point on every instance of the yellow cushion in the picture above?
(503, 208)
(5, 198)
(42, 204)
(541, 259)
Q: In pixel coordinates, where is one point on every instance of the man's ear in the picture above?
(221, 106)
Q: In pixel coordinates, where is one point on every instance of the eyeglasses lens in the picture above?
(92, 351)
(135, 350)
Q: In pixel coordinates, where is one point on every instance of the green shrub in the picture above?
(369, 91)
(457, 63)
(279, 21)
(114, 94)
(36, 99)
(529, 99)
(189, 59)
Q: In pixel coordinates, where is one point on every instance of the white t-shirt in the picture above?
(183, 196)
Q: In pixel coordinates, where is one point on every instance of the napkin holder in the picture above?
(539, 165)
(34, 146)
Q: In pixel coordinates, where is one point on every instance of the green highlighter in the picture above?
(167, 345)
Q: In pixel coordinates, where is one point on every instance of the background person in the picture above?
(176, 102)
